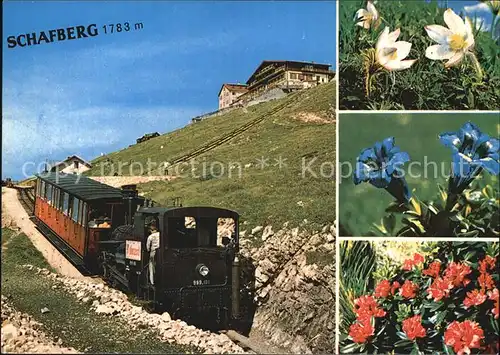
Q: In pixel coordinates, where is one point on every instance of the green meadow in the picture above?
(416, 133)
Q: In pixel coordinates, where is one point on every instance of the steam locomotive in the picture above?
(103, 230)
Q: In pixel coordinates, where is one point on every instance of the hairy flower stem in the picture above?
(367, 82)
(451, 200)
(477, 65)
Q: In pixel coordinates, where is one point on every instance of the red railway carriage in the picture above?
(81, 211)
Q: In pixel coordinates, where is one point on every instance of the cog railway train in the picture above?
(104, 230)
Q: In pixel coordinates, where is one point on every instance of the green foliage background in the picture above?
(416, 133)
(427, 85)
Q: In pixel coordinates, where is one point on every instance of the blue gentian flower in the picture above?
(473, 152)
(380, 166)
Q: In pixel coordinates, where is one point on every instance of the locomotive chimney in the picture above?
(129, 193)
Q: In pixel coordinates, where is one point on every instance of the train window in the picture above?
(61, 200)
(74, 211)
(188, 232)
(66, 203)
(81, 212)
(49, 194)
(84, 214)
(42, 192)
(56, 197)
(225, 228)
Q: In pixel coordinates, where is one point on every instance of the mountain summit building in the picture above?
(275, 74)
(229, 93)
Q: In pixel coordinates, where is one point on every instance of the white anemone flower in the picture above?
(454, 42)
(367, 17)
(391, 54)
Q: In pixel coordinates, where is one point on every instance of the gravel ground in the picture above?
(13, 211)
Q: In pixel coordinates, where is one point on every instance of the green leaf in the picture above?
(389, 222)
(402, 335)
(351, 348)
(402, 343)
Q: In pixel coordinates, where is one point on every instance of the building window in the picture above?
(77, 163)
(293, 75)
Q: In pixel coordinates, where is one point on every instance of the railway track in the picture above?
(27, 199)
(225, 138)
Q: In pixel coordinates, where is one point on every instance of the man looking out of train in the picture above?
(152, 243)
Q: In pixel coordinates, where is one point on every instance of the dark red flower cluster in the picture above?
(485, 279)
(409, 264)
(413, 328)
(439, 289)
(433, 269)
(384, 288)
(474, 298)
(493, 295)
(463, 336)
(366, 307)
(408, 290)
(457, 273)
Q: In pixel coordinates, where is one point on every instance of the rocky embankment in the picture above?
(21, 334)
(295, 286)
(107, 301)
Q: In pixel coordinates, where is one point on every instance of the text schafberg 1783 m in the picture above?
(60, 34)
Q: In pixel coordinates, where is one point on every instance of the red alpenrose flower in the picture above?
(367, 305)
(361, 331)
(418, 259)
(433, 269)
(463, 336)
(457, 272)
(494, 296)
(439, 289)
(409, 264)
(413, 327)
(383, 289)
(486, 281)
(408, 290)
(395, 286)
(488, 263)
(474, 298)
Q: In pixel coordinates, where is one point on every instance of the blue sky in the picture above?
(99, 94)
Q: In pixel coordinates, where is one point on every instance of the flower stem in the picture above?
(477, 65)
(450, 201)
(367, 82)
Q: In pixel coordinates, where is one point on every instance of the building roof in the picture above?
(268, 62)
(234, 87)
(72, 157)
(81, 186)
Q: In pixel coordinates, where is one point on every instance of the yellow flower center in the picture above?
(457, 42)
(394, 55)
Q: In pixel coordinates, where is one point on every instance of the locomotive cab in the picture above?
(195, 269)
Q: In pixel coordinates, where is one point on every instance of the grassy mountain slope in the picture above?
(304, 129)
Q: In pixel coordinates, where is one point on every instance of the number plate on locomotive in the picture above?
(201, 282)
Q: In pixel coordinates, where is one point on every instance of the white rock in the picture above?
(104, 309)
(9, 331)
(166, 317)
(268, 232)
(257, 229)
